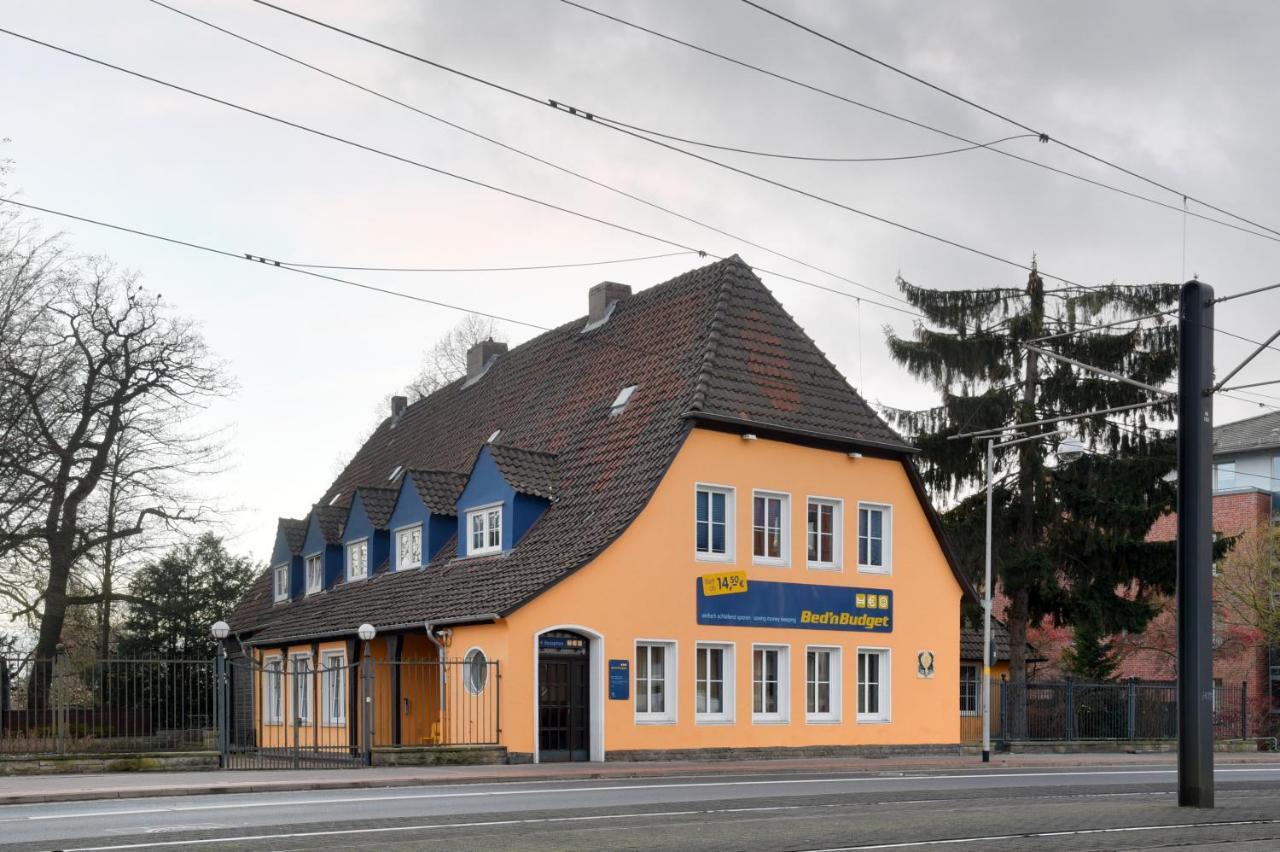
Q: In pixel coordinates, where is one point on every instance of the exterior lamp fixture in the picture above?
(748, 436)
(366, 631)
(220, 630)
(1070, 450)
(855, 455)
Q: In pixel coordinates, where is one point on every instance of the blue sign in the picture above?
(798, 605)
(619, 680)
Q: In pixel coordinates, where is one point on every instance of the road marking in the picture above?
(990, 838)
(602, 817)
(471, 794)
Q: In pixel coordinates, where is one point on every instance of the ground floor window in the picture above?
(477, 671)
(300, 670)
(1275, 679)
(655, 662)
(769, 684)
(822, 685)
(873, 685)
(333, 687)
(272, 677)
(713, 688)
(968, 690)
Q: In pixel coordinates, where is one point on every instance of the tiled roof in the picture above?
(1256, 433)
(331, 519)
(379, 503)
(971, 643)
(439, 489)
(527, 471)
(295, 533)
(711, 345)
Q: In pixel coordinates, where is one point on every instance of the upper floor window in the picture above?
(484, 530)
(655, 678)
(409, 548)
(713, 522)
(769, 523)
(1224, 476)
(358, 560)
(874, 538)
(315, 573)
(823, 528)
(280, 583)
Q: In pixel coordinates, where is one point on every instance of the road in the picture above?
(997, 809)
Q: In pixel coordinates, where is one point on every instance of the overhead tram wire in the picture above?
(469, 269)
(564, 169)
(912, 122)
(1003, 117)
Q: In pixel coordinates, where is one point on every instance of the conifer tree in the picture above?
(1068, 538)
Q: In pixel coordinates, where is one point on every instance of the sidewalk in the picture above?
(126, 785)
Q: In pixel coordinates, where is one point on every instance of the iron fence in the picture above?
(1126, 710)
(68, 706)
(409, 712)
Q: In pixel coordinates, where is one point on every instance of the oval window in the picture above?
(476, 671)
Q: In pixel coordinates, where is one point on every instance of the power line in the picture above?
(467, 269)
(548, 163)
(1005, 118)
(910, 121)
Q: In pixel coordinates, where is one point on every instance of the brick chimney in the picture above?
(601, 300)
(480, 356)
(399, 404)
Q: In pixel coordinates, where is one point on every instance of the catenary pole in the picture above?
(1195, 546)
(986, 617)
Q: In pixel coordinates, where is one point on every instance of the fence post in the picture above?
(1071, 709)
(1244, 709)
(1004, 710)
(1133, 707)
(368, 705)
(59, 706)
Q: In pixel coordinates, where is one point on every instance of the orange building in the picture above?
(667, 528)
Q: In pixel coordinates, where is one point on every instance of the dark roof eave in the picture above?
(806, 435)
(485, 618)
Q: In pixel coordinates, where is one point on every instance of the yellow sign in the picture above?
(727, 583)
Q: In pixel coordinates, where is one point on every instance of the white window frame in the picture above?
(670, 677)
(395, 535)
(276, 572)
(783, 714)
(728, 692)
(886, 538)
(468, 673)
(837, 534)
(976, 681)
(729, 526)
(313, 588)
(487, 529)
(884, 714)
(333, 678)
(273, 685)
(302, 686)
(1221, 467)
(784, 559)
(363, 545)
(833, 715)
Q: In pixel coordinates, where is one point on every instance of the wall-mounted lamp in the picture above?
(748, 436)
(855, 455)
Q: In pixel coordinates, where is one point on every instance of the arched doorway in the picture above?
(564, 696)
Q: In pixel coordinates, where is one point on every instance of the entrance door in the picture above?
(564, 689)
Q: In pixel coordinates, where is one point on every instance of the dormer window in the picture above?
(409, 547)
(619, 403)
(484, 527)
(358, 560)
(315, 573)
(280, 583)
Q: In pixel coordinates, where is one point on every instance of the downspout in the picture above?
(431, 635)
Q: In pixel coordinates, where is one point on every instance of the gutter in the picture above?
(812, 434)
(483, 618)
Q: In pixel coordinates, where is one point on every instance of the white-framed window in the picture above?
(280, 583)
(655, 681)
(822, 684)
(333, 687)
(968, 689)
(1224, 476)
(769, 681)
(484, 530)
(875, 538)
(823, 526)
(713, 682)
(272, 690)
(409, 547)
(770, 528)
(358, 560)
(300, 673)
(713, 523)
(476, 671)
(873, 684)
(315, 573)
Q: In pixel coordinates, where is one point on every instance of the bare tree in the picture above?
(97, 386)
(446, 360)
(1248, 587)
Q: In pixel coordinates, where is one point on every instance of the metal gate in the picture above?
(292, 712)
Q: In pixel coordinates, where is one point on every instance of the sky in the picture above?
(1182, 92)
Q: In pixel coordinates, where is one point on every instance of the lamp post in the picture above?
(367, 632)
(220, 631)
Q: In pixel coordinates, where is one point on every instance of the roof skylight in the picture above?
(335, 498)
(620, 402)
(395, 473)
(494, 436)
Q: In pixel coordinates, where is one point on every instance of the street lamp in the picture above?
(366, 631)
(220, 630)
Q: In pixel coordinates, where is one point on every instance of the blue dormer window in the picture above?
(315, 573)
(485, 525)
(280, 583)
(358, 560)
